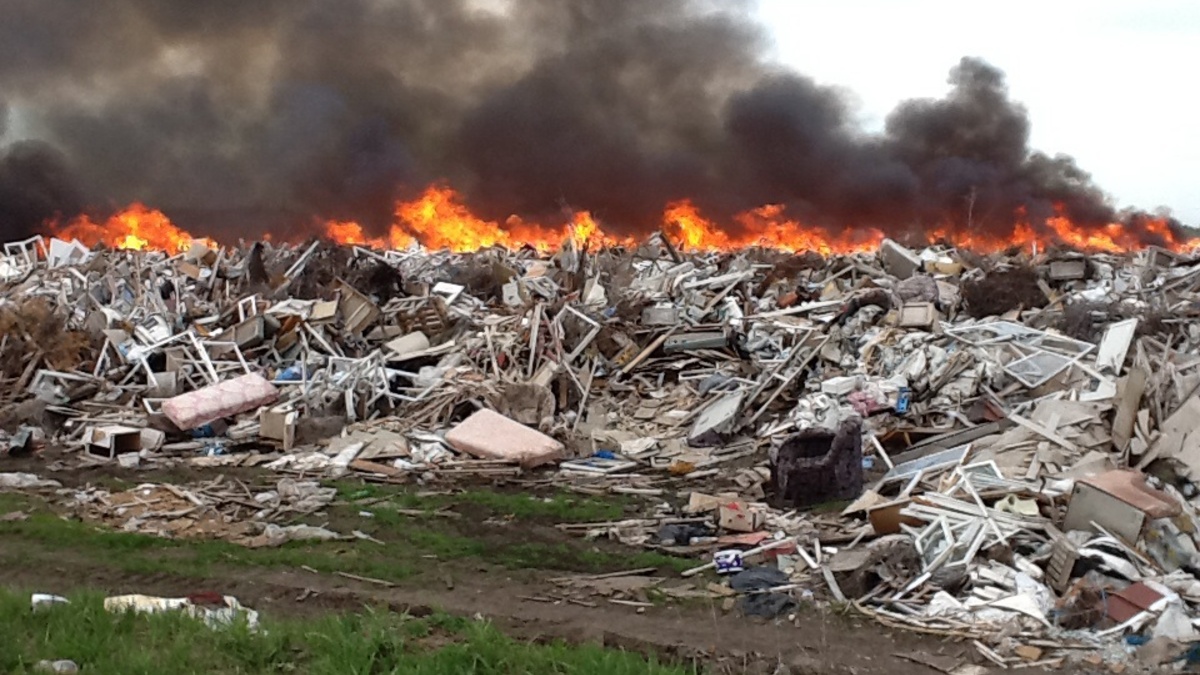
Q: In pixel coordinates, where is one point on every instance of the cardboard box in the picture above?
(736, 516)
(886, 518)
(112, 440)
(278, 425)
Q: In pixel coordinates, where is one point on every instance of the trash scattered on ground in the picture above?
(46, 599)
(1001, 448)
(217, 611)
(59, 666)
(218, 509)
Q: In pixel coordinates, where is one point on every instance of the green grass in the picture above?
(557, 508)
(409, 542)
(142, 553)
(373, 642)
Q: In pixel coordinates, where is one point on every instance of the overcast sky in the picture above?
(1112, 82)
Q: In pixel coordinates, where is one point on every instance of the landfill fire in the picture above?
(439, 219)
(451, 125)
(134, 228)
(704, 296)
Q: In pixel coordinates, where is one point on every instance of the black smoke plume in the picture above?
(36, 186)
(278, 113)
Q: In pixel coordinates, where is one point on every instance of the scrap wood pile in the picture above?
(218, 509)
(1015, 434)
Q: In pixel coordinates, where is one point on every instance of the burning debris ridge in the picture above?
(461, 124)
(439, 220)
(1012, 437)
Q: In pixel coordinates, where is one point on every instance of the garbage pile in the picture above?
(1010, 440)
(217, 509)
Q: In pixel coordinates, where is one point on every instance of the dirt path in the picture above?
(817, 644)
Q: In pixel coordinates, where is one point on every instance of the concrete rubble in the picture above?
(1008, 439)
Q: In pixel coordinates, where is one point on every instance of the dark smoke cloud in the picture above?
(36, 185)
(974, 145)
(626, 117)
(792, 142)
(315, 109)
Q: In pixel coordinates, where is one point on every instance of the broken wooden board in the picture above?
(1173, 432)
(1043, 432)
(1129, 399)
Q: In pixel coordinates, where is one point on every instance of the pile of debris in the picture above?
(1026, 423)
(218, 509)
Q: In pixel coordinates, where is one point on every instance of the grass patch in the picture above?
(355, 491)
(559, 507)
(358, 644)
(15, 501)
(409, 543)
(581, 559)
(147, 554)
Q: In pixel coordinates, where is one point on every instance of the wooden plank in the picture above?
(833, 584)
(1043, 432)
(1035, 464)
(1129, 397)
(947, 440)
(1173, 430)
(881, 452)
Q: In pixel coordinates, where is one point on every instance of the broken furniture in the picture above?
(818, 465)
(1119, 501)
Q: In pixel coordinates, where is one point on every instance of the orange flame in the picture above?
(1022, 236)
(439, 219)
(765, 226)
(351, 233)
(1061, 231)
(1115, 238)
(682, 221)
(135, 228)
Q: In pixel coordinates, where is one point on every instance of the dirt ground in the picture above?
(817, 642)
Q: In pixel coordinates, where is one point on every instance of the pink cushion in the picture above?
(224, 399)
(489, 435)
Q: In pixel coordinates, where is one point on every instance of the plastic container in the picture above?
(41, 599)
(729, 561)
